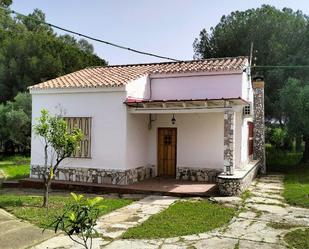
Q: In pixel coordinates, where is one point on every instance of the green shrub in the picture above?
(280, 161)
(79, 218)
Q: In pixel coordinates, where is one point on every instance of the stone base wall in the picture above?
(197, 174)
(235, 186)
(99, 176)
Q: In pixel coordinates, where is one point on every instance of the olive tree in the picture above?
(59, 143)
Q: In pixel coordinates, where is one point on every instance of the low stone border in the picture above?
(235, 184)
(197, 174)
(99, 176)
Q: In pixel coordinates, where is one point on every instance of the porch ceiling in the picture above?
(187, 105)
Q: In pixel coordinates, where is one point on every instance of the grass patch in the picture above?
(15, 167)
(281, 161)
(296, 186)
(236, 246)
(298, 239)
(245, 195)
(280, 225)
(183, 218)
(296, 180)
(29, 208)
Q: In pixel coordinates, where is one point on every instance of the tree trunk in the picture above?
(298, 142)
(305, 158)
(46, 177)
(46, 193)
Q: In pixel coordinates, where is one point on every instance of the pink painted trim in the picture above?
(139, 100)
(133, 100)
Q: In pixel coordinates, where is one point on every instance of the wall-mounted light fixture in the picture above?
(173, 119)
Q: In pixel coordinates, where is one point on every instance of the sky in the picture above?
(164, 27)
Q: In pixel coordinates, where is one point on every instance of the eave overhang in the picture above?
(161, 106)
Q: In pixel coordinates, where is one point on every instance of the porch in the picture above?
(153, 186)
(187, 139)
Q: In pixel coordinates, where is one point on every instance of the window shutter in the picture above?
(83, 123)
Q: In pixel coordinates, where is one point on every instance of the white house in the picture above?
(189, 120)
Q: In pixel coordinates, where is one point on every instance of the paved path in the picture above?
(251, 229)
(15, 234)
(113, 225)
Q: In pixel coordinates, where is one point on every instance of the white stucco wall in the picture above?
(213, 86)
(247, 91)
(122, 140)
(199, 139)
(139, 88)
(248, 96)
(108, 125)
(137, 140)
(244, 141)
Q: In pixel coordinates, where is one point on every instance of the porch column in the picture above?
(229, 139)
(258, 119)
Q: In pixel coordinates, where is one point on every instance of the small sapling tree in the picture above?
(79, 219)
(59, 143)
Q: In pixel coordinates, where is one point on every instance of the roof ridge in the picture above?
(170, 62)
(119, 75)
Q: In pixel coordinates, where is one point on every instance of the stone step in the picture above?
(113, 225)
(268, 208)
(266, 195)
(261, 200)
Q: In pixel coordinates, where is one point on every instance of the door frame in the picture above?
(175, 166)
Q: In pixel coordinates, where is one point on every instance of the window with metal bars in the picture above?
(83, 123)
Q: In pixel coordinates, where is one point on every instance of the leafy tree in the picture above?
(33, 22)
(294, 99)
(31, 52)
(19, 124)
(85, 46)
(59, 143)
(5, 3)
(4, 128)
(79, 218)
(280, 37)
(279, 137)
(22, 101)
(15, 124)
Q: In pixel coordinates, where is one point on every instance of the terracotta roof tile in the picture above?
(120, 75)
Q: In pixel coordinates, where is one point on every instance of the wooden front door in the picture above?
(167, 143)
